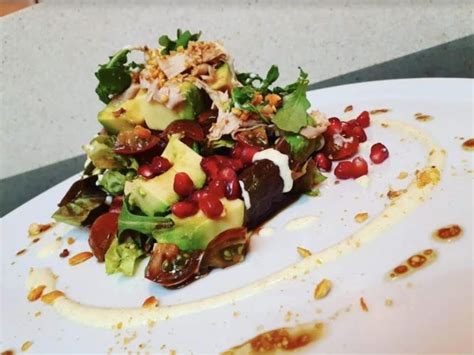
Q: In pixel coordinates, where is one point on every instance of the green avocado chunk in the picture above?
(223, 78)
(155, 196)
(196, 232)
(122, 116)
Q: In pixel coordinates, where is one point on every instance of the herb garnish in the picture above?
(182, 40)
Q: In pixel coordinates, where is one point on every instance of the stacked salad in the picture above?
(193, 156)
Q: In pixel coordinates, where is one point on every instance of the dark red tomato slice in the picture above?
(335, 151)
(189, 129)
(129, 142)
(227, 249)
(102, 233)
(171, 268)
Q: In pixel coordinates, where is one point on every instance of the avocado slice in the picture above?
(155, 196)
(223, 78)
(157, 116)
(196, 232)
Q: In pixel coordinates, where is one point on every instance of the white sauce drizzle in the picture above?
(109, 317)
(280, 160)
(49, 249)
(266, 232)
(300, 223)
(245, 195)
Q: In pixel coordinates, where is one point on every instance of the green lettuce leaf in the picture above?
(113, 181)
(293, 116)
(139, 223)
(122, 257)
(101, 152)
(182, 40)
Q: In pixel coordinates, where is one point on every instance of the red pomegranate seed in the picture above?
(247, 154)
(233, 189)
(160, 165)
(210, 205)
(196, 195)
(378, 153)
(146, 171)
(322, 162)
(347, 129)
(184, 209)
(359, 167)
(218, 187)
(335, 126)
(343, 170)
(210, 167)
(183, 185)
(359, 133)
(363, 119)
(227, 174)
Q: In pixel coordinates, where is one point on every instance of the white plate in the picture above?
(432, 308)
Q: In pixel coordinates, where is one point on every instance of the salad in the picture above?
(193, 156)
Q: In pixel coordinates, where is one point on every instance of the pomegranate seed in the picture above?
(347, 129)
(196, 195)
(146, 171)
(183, 185)
(160, 165)
(359, 167)
(378, 153)
(247, 154)
(210, 167)
(363, 119)
(218, 187)
(233, 189)
(227, 174)
(184, 209)
(359, 133)
(210, 205)
(343, 170)
(322, 162)
(335, 126)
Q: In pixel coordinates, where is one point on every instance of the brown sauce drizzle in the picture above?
(468, 145)
(412, 264)
(281, 340)
(448, 233)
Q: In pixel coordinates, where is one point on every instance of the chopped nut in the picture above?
(363, 305)
(26, 345)
(150, 302)
(35, 293)
(71, 240)
(64, 253)
(37, 314)
(388, 302)
(303, 252)
(428, 176)
(392, 194)
(273, 99)
(322, 289)
(257, 99)
(21, 252)
(348, 108)
(36, 228)
(52, 296)
(236, 111)
(402, 175)
(423, 118)
(80, 258)
(164, 99)
(36, 240)
(379, 110)
(361, 217)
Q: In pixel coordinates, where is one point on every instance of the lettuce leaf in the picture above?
(101, 152)
(122, 257)
(113, 181)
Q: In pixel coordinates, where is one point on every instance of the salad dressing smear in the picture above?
(108, 317)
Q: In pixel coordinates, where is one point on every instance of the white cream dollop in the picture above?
(245, 195)
(281, 160)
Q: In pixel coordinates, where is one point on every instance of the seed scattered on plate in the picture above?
(468, 145)
(35, 293)
(303, 252)
(26, 345)
(363, 305)
(21, 252)
(348, 108)
(80, 258)
(361, 217)
(52, 296)
(378, 111)
(71, 240)
(64, 253)
(322, 289)
(422, 117)
(448, 233)
(402, 175)
(394, 194)
(150, 302)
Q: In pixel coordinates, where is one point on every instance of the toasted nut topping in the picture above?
(363, 305)
(150, 302)
(36, 293)
(80, 258)
(236, 111)
(26, 345)
(257, 99)
(36, 228)
(402, 175)
(348, 108)
(379, 110)
(71, 240)
(421, 117)
(361, 217)
(322, 289)
(388, 302)
(273, 99)
(428, 176)
(303, 252)
(392, 194)
(52, 296)
(164, 99)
